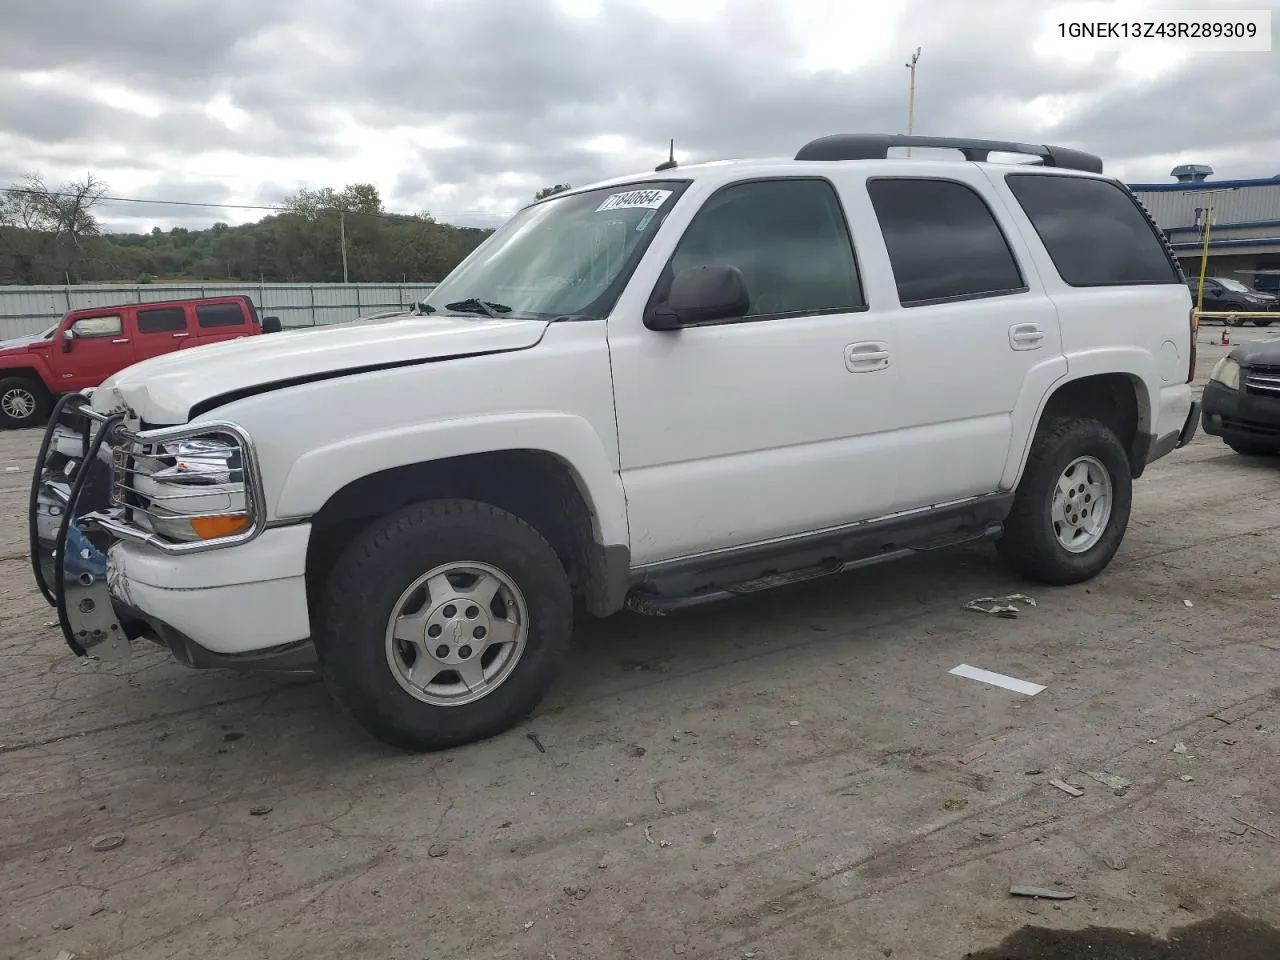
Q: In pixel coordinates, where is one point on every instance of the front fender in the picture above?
(324, 470)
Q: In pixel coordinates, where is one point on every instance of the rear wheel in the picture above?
(23, 403)
(1261, 322)
(1072, 505)
(444, 623)
(1248, 449)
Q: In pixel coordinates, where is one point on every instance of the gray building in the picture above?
(1244, 237)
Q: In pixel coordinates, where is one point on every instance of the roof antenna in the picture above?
(670, 162)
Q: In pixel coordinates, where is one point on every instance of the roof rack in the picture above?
(876, 146)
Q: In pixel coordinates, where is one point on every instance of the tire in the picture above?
(367, 671)
(1030, 543)
(1233, 321)
(1247, 449)
(1261, 322)
(23, 403)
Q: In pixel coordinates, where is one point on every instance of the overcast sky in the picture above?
(464, 108)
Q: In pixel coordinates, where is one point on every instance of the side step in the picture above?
(654, 604)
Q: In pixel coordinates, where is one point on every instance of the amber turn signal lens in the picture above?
(211, 528)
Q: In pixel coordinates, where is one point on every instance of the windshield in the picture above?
(566, 256)
(1235, 285)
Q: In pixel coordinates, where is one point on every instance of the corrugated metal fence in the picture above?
(25, 310)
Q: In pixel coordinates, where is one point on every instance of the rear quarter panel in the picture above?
(1142, 331)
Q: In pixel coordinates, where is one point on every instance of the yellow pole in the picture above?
(1204, 257)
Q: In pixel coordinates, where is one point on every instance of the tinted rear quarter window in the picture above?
(1094, 231)
(162, 320)
(943, 241)
(220, 315)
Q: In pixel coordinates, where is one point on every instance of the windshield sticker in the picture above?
(634, 200)
(644, 221)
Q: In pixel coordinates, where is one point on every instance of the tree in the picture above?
(550, 191)
(56, 225)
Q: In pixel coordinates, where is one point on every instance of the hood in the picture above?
(21, 343)
(164, 389)
(1254, 352)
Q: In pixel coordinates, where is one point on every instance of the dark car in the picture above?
(1224, 293)
(1241, 402)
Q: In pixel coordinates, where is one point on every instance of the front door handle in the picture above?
(1026, 336)
(866, 357)
(177, 335)
(121, 340)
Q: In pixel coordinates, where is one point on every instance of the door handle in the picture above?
(176, 335)
(1025, 336)
(866, 357)
(121, 340)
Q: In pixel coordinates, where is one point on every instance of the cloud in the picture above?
(466, 107)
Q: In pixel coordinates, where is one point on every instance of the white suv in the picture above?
(653, 392)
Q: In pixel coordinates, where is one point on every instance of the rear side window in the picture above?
(162, 320)
(220, 315)
(1095, 232)
(944, 243)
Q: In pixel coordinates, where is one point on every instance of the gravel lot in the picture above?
(775, 779)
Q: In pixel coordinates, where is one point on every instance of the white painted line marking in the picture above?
(997, 679)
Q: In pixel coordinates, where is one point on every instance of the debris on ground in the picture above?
(1185, 778)
(657, 795)
(1256, 828)
(648, 834)
(955, 803)
(1067, 787)
(635, 750)
(1033, 772)
(109, 842)
(1114, 860)
(1040, 893)
(260, 810)
(533, 738)
(438, 850)
(1119, 785)
(996, 679)
(1000, 606)
(972, 755)
(578, 893)
(1187, 603)
(1179, 747)
(65, 955)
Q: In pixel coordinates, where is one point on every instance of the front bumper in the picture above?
(244, 606)
(1239, 415)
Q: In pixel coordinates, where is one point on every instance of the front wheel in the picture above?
(23, 403)
(444, 623)
(1261, 322)
(1072, 505)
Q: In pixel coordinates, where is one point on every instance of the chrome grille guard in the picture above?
(70, 492)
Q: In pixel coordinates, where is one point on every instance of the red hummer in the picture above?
(89, 345)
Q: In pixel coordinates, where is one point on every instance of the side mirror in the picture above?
(271, 325)
(68, 338)
(715, 291)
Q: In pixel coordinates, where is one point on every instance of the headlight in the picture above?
(193, 489)
(1227, 372)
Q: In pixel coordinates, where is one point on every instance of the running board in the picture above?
(655, 605)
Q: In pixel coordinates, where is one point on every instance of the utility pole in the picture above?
(342, 227)
(911, 96)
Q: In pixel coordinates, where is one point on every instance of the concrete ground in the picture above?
(775, 779)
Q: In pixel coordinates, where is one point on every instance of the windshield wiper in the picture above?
(475, 305)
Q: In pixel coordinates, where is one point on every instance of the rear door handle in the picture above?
(1025, 336)
(866, 357)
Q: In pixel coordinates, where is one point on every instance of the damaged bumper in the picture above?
(242, 607)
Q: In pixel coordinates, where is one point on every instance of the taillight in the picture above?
(1195, 326)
